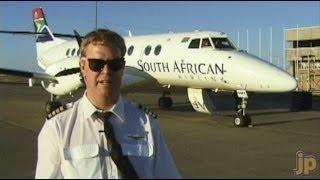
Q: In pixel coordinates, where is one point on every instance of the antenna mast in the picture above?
(96, 14)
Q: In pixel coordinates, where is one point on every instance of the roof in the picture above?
(180, 35)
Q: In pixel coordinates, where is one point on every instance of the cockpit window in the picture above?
(194, 43)
(205, 43)
(185, 39)
(222, 43)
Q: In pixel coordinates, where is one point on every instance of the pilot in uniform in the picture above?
(72, 145)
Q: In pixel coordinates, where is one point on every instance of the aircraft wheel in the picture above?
(242, 120)
(52, 105)
(165, 102)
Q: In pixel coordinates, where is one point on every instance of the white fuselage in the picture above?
(178, 65)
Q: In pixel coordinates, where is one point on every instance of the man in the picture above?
(102, 135)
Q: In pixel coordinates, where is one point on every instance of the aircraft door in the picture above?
(202, 100)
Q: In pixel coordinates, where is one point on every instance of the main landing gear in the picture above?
(53, 104)
(165, 102)
(242, 119)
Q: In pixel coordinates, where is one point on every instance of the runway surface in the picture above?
(202, 145)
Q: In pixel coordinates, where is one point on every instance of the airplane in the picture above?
(200, 62)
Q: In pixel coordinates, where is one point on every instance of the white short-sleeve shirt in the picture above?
(71, 146)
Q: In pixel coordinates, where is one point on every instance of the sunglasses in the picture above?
(97, 65)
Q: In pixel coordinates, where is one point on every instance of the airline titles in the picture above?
(182, 67)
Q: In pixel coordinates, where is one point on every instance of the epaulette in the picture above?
(147, 111)
(59, 110)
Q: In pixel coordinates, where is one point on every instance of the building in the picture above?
(303, 54)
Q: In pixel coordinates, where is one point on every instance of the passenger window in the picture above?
(78, 52)
(73, 51)
(68, 51)
(147, 50)
(194, 43)
(205, 43)
(157, 50)
(130, 50)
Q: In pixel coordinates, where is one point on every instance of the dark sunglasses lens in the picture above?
(115, 65)
(96, 64)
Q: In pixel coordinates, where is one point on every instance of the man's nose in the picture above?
(105, 69)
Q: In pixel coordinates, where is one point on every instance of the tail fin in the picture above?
(46, 41)
(41, 25)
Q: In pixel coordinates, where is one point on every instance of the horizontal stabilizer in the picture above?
(32, 33)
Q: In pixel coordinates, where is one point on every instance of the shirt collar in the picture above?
(118, 109)
(89, 109)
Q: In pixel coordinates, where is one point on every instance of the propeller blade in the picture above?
(78, 37)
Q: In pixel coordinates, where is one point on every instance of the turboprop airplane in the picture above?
(202, 62)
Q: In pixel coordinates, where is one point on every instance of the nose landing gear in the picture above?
(165, 102)
(242, 119)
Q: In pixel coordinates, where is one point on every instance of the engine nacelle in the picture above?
(65, 85)
(201, 100)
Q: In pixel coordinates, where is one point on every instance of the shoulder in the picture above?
(142, 109)
(60, 110)
(147, 111)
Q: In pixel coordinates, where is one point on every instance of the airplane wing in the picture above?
(27, 74)
(135, 80)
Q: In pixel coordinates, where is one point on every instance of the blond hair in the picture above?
(106, 38)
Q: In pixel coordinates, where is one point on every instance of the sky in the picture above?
(143, 17)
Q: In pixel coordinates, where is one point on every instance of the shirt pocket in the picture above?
(142, 150)
(81, 152)
(82, 161)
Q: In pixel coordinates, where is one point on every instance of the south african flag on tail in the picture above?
(40, 25)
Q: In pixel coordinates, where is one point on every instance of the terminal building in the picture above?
(303, 54)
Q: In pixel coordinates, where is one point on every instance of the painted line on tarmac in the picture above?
(18, 125)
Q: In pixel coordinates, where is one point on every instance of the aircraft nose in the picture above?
(280, 81)
(262, 76)
(287, 83)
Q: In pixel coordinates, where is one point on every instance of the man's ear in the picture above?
(81, 64)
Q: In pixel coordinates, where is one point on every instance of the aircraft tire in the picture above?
(242, 121)
(165, 102)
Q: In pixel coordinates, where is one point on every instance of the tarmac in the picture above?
(202, 145)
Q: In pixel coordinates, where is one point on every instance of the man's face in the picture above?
(104, 83)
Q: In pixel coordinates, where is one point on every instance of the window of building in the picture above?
(307, 43)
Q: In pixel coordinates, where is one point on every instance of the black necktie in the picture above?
(123, 163)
